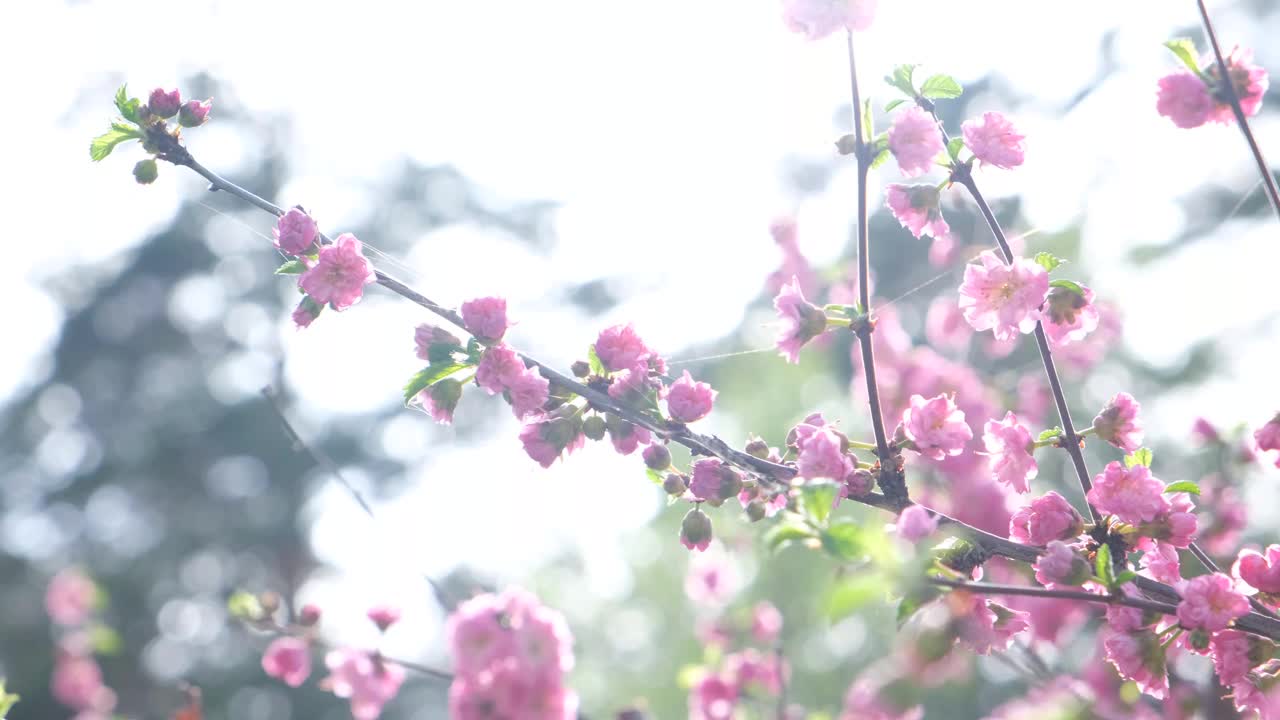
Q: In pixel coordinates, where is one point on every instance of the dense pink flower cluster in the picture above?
(1211, 602)
(1191, 99)
(365, 679)
(339, 274)
(915, 140)
(1003, 298)
(936, 427)
(1010, 448)
(510, 654)
(817, 19)
(1132, 494)
(994, 140)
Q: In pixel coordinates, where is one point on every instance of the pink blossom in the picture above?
(689, 401)
(1047, 518)
(1139, 657)
(1119, 424)
(546, 441)
(1131, 494)
(984, 626)
(695, 530)
(1183, 98)
(288, 659)
(1259, 571)
(77, 683)
(1003, 298)
(713, 698)
(1069, 316)
(756, 672)
(306, 312)
(295, 232)
(802, 321)
(1009, 445)
(478, 635)
(384, 616)
(486, 318)
(945, 326)
(1204, 431)
(543, 644)
(1122, 618)
(916, 208)
(1163, 564)
(339, 274)
(164, 104)
(70, 598)
(626, 438)
(856, 484)
(994, 140)
(620, 348)
(427, 336)
(711, 580)
(817, 19)
(822, 455)
(914, 140)
(936, 426)
(441, 399)
(1231, 651)
(364, 678)
(916, 523)
(499, 368)
(714, 482)
(766, 623)
(1177, 526)
(1267, 437)
(794, 264)
(1209, 602)
(1060, 565)
(528, 392)
(194, 113)
(1250, 82)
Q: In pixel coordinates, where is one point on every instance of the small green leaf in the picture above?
(128, 106)
(901, 79)
(441, 353)
(868, 127)
(1185, 49)
(941, 86)
(1050, 434)
(844, 540)
(102, 145)
(244, 605)
(597, 367)
(954, 147)
(474, 350)
(7, 701)
(1048, 261)
(292, 267)
(1068, 285)
(854, 593)
(428, 376)
(105, 640)
(1124, 577)
(1141, 456)
(880, 159)
(1185, 486)
(783, 534)
(818, 499)
(657, 477)
(1102, 566)
(893, 104)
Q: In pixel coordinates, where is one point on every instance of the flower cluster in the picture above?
(71, 601)
(1197, 95)
(510, 654)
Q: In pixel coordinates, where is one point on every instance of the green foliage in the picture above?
(1048, 261)
(1185, 49)
(851, 594)
(7, 700)
(844, 540)
(954, 147)
(1050, 434)
(1185, 486)
(941, 87)
(244, 605)
(914, 599)
(597, 367)
(786, 533)
(889, 107)
(1102, 566)
(818, 499)
(901, 79)
(102, 145)
(429, 376)
(1071, 285)
(292, 267)
(105, 640)
(130, 108)
(1141, 456)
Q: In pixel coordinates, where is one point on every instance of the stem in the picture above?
(416, 667)
(994, 589)
(1070, 439)
(1268, 180)
(863, 154)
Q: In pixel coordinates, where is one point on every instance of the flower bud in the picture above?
(657, 457)
(580, 369)
(164, 104)
(858, 483)
(306, 312)
(594, 427)
(309, 615)
(675, 484)
(758, 448)
(695, 530)
(730, 483)
(755, 510)
(194, 113)
(384, 616)
(444, 397)
(270, 601)
(146, 172)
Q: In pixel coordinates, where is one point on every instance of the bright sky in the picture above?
(661, 130)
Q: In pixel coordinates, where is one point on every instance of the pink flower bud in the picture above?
(1060, 565)
(309, 615)
(384, 616)
(1118, 422)
(1046, 518)
(164, 104)
(295, 232)
(194, 113)
(486, 318)
(916, 523)
(288, 659)
(695, 530)
(657, 457)
(306, 312)
(689, 401)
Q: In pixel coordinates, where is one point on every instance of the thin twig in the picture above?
(419, 668)
(1029, 591)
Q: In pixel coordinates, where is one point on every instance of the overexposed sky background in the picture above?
(661, 130)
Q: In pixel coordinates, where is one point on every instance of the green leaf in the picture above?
(657, 477)
(1185, 49)
(292, 267)
(1048, 261)
(854, 593)
(102, 145)
(105, 640)
(1124, 577)
(818, 499)
(893, 104)
(474, 350)
(880, 159)
(128, 106)
(597, 367)
(783, 534)
(441, 353)
(1068, 285)
(868, 127)
(1102, 566)
(941, 86)
(954, 147)
(428, 376)
(1185, 486)
(7, 700)
(1050, 434)
(844, 540)
(244, 606)
(1141, 456)
(901, 79)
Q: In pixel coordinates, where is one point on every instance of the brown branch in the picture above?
(1030, 591)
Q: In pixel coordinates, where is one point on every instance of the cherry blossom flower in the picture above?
(822, 455)
(994, 140)
(1258, 570)
(1249, 80)
(936, 426)
(916, 523)
(817, 19)
(1009, 445)
(766, 623)
(713, 697)
(1267, 437)
(1069, 316)
(486, 318)
(917, 208)
(1003, 298)
(688, 400)
(1139, 657)
(441, 399)
(1131, 494)
(711, 579)
(802, 321)
(1231, 651)
(364, 678)
(70, 598)
(1060, 565)
(915, 140)
(194, 113)
(1119, 424)
(1210, 602)
(164, 104)
(1049, 517)
(295, 232)
(1162, 563)
(1183, 98)
(499, 368)
(339, 275)
(620, 348)
(714, 482)
(288, 659)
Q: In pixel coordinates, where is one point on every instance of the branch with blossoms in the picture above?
(510, 652)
